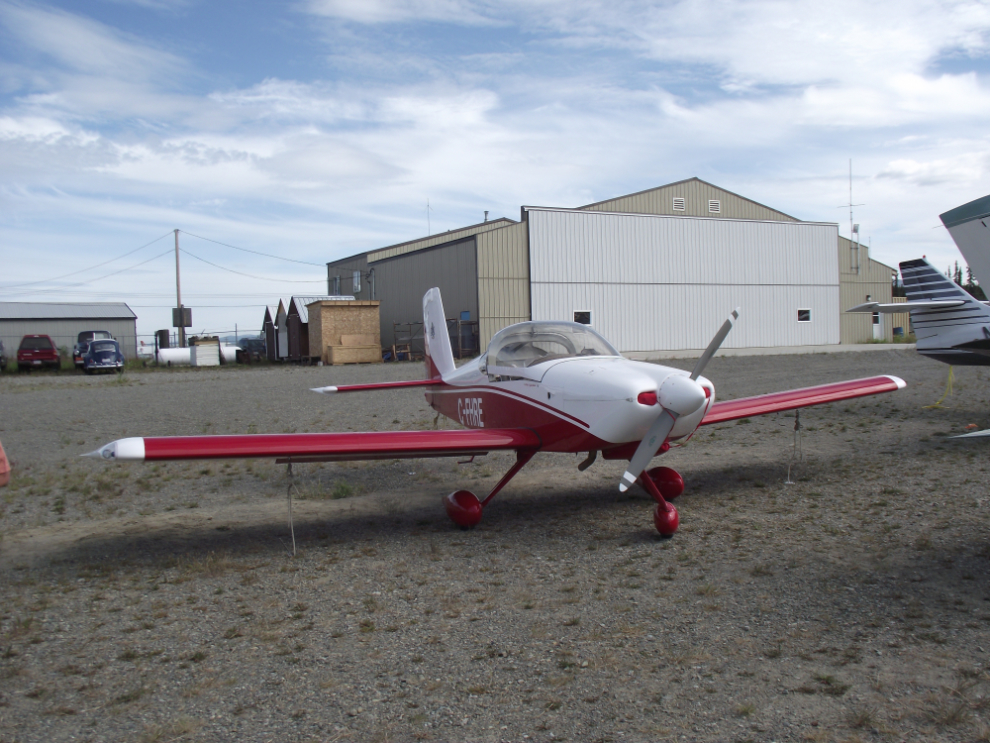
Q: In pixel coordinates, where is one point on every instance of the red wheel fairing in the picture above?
(666, 519)
(669, 482)
(464, 508)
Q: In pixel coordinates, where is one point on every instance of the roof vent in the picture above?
(714, 206)
(678, 204)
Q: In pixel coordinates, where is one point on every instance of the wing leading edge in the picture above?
(791, 399)
(316, 447)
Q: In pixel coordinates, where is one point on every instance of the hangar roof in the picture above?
(66, 311)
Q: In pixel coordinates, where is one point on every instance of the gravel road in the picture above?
(161, 602)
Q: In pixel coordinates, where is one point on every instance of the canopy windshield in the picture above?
(532, 343)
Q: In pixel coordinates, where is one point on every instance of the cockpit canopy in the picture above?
(529, 344)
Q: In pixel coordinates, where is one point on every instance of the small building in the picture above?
(344, 331)
(281, 333)
(63, 321)
(297, 326)
(268, 331)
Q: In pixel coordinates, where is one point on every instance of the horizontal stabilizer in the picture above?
(776, 402)
(906, 306)
(329, 390)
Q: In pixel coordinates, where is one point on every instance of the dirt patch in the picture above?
(160, 602)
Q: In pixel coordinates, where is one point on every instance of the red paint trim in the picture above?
(389, 385)
(374, 444)
(477, 389)
(802, 398)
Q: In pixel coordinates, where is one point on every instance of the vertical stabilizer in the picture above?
(968, 226)
(956, 335)
(436, 340)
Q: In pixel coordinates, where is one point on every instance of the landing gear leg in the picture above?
(665, 516)
(463, 506)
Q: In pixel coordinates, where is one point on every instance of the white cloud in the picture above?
(463, 12)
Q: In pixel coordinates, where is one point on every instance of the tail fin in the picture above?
(969, 226)
(436, 341)
(948, 334)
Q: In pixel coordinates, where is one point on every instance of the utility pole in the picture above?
(178, 295)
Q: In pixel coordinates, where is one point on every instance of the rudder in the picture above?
(436, 341)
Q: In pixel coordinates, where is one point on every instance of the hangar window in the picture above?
(804, 315)
(356, 281)
(714, 206)
(678, 204)
(336, 286)
(582, 316)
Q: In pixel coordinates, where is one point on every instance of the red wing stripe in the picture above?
(802, 398)
(369, 445)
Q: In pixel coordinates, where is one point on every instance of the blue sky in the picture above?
(317, 129)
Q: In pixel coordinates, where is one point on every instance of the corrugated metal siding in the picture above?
(503, 279)
(665, 283)
(65, 332)
(66, 311)
(345, 268)
(402, 282)
(696, 194)
(873, 279)
(412, 246)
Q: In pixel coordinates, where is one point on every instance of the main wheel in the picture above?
(669, 482)
(464, 508)
(666, 519)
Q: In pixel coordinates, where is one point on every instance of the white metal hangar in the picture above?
(654, 271)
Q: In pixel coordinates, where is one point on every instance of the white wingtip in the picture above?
(901, 384)
(124, 450)
(324, 390)
(974, 435)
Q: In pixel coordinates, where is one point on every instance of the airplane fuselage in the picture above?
(574, 404)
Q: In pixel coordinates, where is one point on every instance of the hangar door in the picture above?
(651, 283)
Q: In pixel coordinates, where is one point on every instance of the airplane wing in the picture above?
(894, 307)
(775, 402)
(329, 390)
(322, 447)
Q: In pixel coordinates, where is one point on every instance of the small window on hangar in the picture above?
(804, 315)
(582, 316)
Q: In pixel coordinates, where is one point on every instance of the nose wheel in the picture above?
(664, 484)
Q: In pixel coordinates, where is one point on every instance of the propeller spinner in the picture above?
(677, 396)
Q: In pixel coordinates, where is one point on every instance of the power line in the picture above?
(256, 252)
(61, 290)
(83, 270)
(251, 276)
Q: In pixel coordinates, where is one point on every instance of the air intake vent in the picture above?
(678, 204)
(714, 206)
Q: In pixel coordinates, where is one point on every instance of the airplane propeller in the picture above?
(677, 396)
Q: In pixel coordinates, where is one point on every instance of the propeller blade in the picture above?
(714, 345)
(647, 449)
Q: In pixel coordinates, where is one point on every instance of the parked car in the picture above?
(3, 359)
(37, 351)
(103, 355)
(82, 340)
(252, 349)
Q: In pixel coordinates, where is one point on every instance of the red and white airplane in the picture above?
(541, 386)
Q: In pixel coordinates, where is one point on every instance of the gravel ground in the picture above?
(160, 602)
